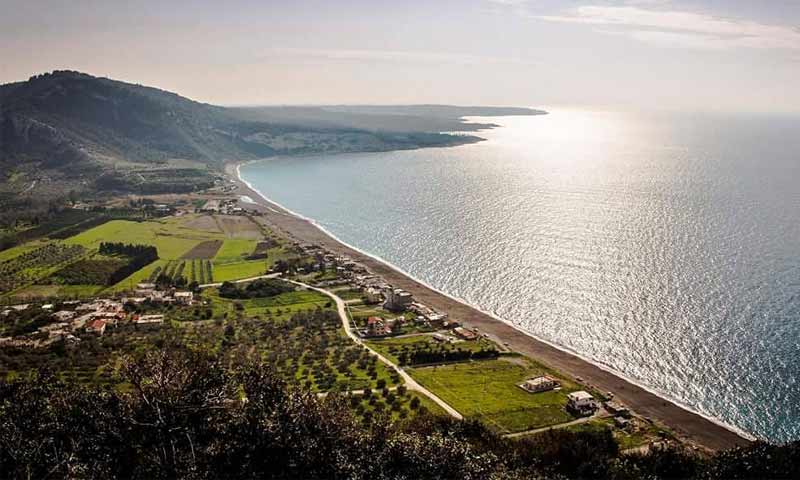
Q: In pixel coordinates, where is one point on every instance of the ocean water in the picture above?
(663, 246)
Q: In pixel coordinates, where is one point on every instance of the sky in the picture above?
(699, 55)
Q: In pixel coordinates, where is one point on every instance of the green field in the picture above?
(234, 250)
(141, 276)
(488, 390)
(171, 240)
(20, 249)
(278, 308)
(172, 236)
(234, 271)
(347, 293)
(230, 263)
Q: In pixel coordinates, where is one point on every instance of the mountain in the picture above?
(70, 130)
(408, 118)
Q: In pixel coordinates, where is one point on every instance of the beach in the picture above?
(687, 425)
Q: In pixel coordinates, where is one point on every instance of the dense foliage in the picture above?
(127, 249)
(22, 322)
(261, 288)
(186, 414)
(443, 355)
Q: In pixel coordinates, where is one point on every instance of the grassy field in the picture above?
(174, 237)
(171, 240)
(20, 249)
(279, 308)
(348, 293)
(362, 312)
(229, 263)
(140, 276)
(234, 250)
(234, 271)
(488, 390)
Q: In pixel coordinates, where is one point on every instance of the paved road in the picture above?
(411, 384)
(244, 280)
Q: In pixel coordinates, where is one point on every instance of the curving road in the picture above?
(411, 384)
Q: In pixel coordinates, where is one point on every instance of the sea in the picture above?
(662, 246)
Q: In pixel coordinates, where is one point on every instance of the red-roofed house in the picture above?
(97, 326)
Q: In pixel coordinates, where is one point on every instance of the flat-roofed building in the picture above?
(581, 402)
(541, 383)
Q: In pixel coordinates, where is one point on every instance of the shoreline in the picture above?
(688, 425)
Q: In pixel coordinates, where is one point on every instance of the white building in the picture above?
(148, 319)
(581, 402)
(372, 295)
(184, 298)
(542, 383)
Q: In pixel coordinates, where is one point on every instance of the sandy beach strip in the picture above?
(687, 425)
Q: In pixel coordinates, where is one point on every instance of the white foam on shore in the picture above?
(569, 351)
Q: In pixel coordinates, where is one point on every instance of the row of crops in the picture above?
(30, 266)
(201, 271)
(195, 270)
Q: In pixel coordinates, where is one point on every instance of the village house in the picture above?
(439, 320)
(53, 327)
(144, 289)
(397, 300)
(184, 298)
(542, 383)
(581, 403)
(465, 334)
(377, 327)
(617, 408)
(372, 295)
(439, 337)
(97, 327)
(134, 300)
(148, 319)
(64, 315)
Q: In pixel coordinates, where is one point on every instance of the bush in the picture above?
(261, 288)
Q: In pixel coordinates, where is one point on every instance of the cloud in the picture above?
(393, 56)
(683, 29)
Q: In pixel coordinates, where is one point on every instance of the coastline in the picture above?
(690, 426)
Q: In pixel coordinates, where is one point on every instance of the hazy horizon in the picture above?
(699, 55)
